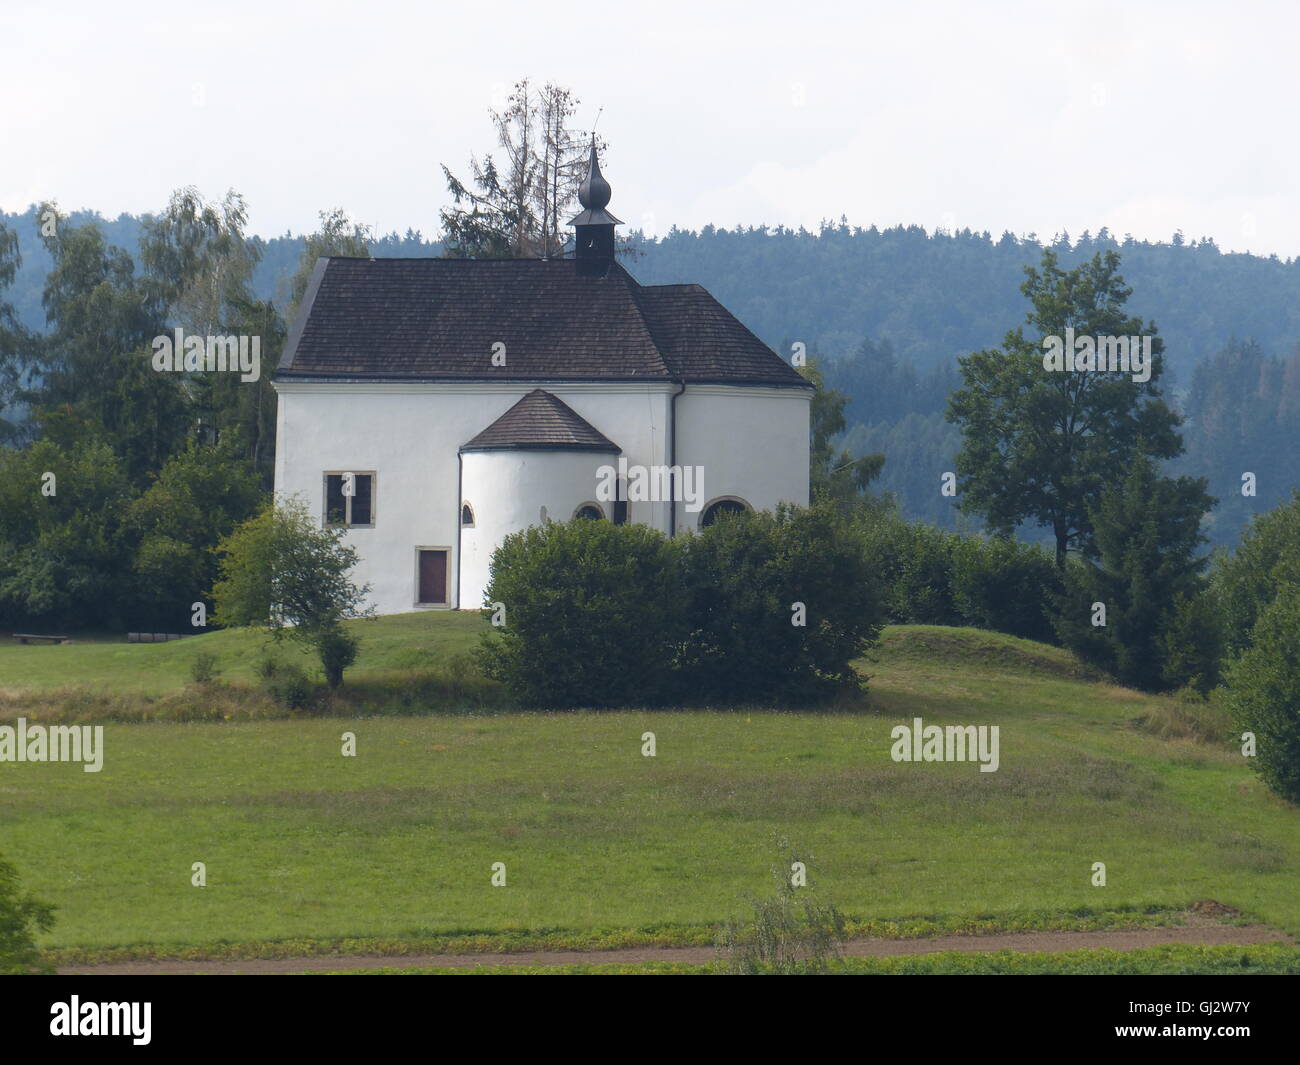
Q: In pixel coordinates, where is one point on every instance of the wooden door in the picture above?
(433, 576)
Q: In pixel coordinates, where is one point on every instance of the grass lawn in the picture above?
(400, 642)
(398, 842)
(1268, 959)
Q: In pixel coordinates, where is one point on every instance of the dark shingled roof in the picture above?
(439, 319)
(543, 421)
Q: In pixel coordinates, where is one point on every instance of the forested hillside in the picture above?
(887, 313)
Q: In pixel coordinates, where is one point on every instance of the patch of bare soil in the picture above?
(1212, 910)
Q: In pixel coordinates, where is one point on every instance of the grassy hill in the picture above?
(602, 844)
(420, 641)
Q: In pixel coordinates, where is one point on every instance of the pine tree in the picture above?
(1145, 564)
(521, 208)
(14, 341)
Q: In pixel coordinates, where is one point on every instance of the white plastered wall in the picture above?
(751, 442)
(410, 435)
(513, 487)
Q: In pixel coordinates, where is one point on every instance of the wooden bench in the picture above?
(29, 637)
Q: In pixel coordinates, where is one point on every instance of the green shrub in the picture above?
(932, 577)
(1264, 693)
(913, 564)
(1192, 643)
(592, 612)
(1005, 586)
(337, 648)
(290, 687)
(748, 580)
(791, 933)
(21, 918)
(1246, 581)
(205, 669)
(281, 570)
(605, 615)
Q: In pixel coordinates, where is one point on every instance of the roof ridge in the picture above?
(659, 342)
(634, 287)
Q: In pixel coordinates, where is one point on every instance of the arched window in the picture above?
(466, 514)
(590, 511)
(719, 507)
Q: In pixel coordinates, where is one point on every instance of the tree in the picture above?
(243, 413)
(21, 917)
(1192, 643)
(1267, 560)
(1041, 446)
(1147, 536)
(15, 344)
(913, 561)
(64, 549)
(564, 155)
(485, 228)
(1244, 407)
(94, 361)
(520, 209)
(197, 498)
(1264, 692)
(145, 415)
(835, 475)
(197, 259)
(281, 570)
(196, 274)
(198, 264)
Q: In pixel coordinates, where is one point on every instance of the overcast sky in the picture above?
(1033, 117)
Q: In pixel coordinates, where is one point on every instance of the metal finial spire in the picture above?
(594, 192)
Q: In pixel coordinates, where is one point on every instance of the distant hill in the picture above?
(889, 311)
(280, 256)
(931, 295)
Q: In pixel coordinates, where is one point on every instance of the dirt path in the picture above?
(1027, 942)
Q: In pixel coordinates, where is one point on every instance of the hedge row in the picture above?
(756, 609)
(933, 577)
(759, 608)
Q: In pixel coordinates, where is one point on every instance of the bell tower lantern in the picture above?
(594, 251)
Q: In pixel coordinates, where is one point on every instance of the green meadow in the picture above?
(604, 845)
(1265, 959)
(401, 642)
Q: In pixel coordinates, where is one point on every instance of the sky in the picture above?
(1144, 117)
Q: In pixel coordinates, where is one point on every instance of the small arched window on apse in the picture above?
(466, 514)
(590, 511)
(721, 506)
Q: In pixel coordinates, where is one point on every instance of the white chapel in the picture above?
(433, 406)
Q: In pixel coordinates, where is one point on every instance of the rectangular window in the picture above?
(350, 499)
(361, 496)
